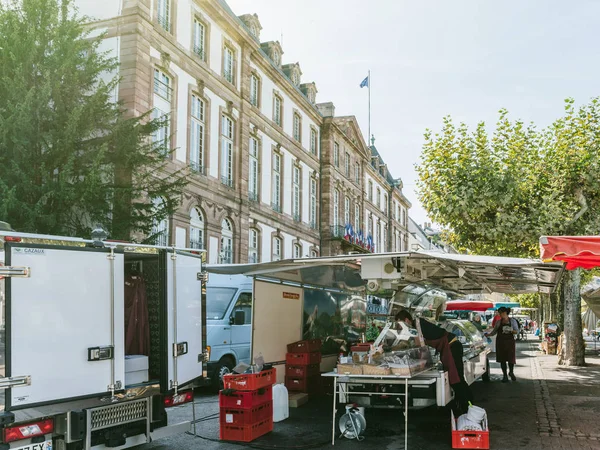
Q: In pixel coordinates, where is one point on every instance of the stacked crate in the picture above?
(302, 370)
(246, 406)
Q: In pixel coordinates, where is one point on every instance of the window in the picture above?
(199, 39)
(162, 110)
(385, 203)
(277, 249)
(370, 190)
(336, 209)
(346, 210)
(336, 154)
(229, 64)
(254, 90)
(297, 251)
(197, 126)
(220, 299)
(378, 236)
(277, 110)
(384, 246)
(356, 173)
(370, 226)
(295, 78)
(296, 194)
(244, 303)
(276, 183)
(313, 141)
(164, 14)
(253, 171)
(347, 164)
(397, 244)
(226, 242)
(297, 127)
(160, 224)
(313, 203)
(314, 254)
(275, 56)
(196, 229)
(356, 217)
(378, 198)
(253, 246)
(227, 133)
(253, 30)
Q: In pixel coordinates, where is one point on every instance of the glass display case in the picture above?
(470, 337)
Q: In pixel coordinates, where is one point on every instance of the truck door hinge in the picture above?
(11, 382)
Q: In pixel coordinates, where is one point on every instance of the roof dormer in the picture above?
(253, 24)
(274, 51)
(293, 72)
(310, 90)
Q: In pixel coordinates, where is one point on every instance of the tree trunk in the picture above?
(573, 350)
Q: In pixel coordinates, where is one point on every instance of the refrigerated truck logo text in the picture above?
(31, 251)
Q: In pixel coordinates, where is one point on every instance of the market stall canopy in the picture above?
(466, 305)
(575, 251)
(467, 274)
(511, 305)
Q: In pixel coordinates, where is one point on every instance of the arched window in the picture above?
(277, 253)
(196, 229)
(226, 242)
(297, 251)
(160, 227)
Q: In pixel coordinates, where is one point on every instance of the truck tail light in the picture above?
(179, 399)
(12, 239)
(28, 431)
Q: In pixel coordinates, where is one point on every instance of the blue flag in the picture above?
(365, 82)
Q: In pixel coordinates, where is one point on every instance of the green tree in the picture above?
(499, 194)
(70, 157)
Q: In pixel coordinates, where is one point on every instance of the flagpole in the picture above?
(369, 86)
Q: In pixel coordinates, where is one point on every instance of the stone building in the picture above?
(247, 130)
(243, 124)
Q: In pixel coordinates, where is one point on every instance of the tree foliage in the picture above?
(69, 155)
(498, 193)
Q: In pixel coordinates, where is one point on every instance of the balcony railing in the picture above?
(337, 231)
(199, 51)
(313, 225)
(253, 196)
(164, 22)
(253, 259)
(276, 207)
(297, 218)
(197, 168)
(226, 257)
(197, 244)
(227, 181)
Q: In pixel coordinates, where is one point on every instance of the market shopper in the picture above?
(476, 320)
(506, 328)
(451, 355)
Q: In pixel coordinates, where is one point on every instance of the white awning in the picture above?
(466, 274)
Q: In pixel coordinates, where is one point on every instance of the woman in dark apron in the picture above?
(506, 328)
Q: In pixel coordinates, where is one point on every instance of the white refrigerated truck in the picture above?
(67, 381)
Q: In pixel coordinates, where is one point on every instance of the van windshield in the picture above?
(217, 301)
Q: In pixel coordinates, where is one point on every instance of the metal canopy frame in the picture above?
(466, 274)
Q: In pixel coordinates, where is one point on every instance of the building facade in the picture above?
(246, 130)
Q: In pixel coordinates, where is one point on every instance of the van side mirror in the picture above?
(239, 317)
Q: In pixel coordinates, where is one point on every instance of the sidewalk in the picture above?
(549, 407)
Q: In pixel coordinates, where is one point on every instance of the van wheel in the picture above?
(225, 367)
(486, 376)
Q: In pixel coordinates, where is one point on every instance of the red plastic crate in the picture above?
(302, 371)
(231, 416)
(246, 433)
(470, 439)
(307, 346)
(246, 399)
(250, 381)
(303, 359)
(309, 385)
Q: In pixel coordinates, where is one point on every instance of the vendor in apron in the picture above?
(451, 355)
(506, 328)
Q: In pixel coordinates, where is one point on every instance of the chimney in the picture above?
(326, 109)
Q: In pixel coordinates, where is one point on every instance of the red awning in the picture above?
(577, 251)
(468, 305)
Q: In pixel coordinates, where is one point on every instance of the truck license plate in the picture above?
(40, 446)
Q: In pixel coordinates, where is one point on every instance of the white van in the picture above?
(228, 323)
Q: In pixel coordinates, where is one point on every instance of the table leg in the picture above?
(333, 419)
(406, 414)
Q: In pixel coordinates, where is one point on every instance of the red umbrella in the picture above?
(575, 251)
(468, 305)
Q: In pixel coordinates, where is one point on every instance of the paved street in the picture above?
(549, 408)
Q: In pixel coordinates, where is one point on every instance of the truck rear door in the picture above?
(185, 318)
(64, 323)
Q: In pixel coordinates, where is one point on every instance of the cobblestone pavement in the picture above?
(549, 407)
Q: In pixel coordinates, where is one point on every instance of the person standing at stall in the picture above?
(505, 329)
(451, 355)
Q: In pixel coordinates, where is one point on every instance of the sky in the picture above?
(429, 59)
